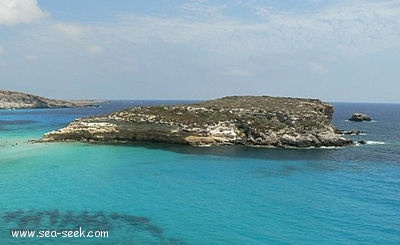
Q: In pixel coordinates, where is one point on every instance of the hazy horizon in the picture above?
(336, 50)
(194, 100)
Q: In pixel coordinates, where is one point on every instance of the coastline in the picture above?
(11, 100)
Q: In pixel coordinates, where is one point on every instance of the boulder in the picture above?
(359, 117)
(349, 132)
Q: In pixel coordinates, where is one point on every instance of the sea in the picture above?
(148, 193)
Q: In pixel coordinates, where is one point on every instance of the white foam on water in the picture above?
(371, 142)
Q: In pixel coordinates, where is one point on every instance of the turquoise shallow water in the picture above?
(165, 194)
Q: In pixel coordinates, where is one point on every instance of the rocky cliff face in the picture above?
(17, 100)
(246, 120)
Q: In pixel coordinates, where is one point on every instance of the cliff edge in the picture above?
(18, 100)
(246, 120)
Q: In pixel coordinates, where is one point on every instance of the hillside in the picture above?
(18, 100)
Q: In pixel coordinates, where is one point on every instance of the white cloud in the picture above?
(13, 12)
(345, 29)
(72, 31)
(340, 30)
(352, 28)
(201, 9)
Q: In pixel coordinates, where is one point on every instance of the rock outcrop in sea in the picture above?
(236, 120)
(359, 117)
(18, 100)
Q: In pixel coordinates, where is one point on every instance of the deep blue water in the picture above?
(170, 194)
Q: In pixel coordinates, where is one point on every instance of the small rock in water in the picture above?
(349, 132)
(359, 117)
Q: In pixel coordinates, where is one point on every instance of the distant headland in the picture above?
(18, 100)
(235, 120)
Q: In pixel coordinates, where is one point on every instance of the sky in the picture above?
(334, 50)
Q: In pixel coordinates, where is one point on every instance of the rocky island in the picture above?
(236, 120)
(18, 100)
(359, 117)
